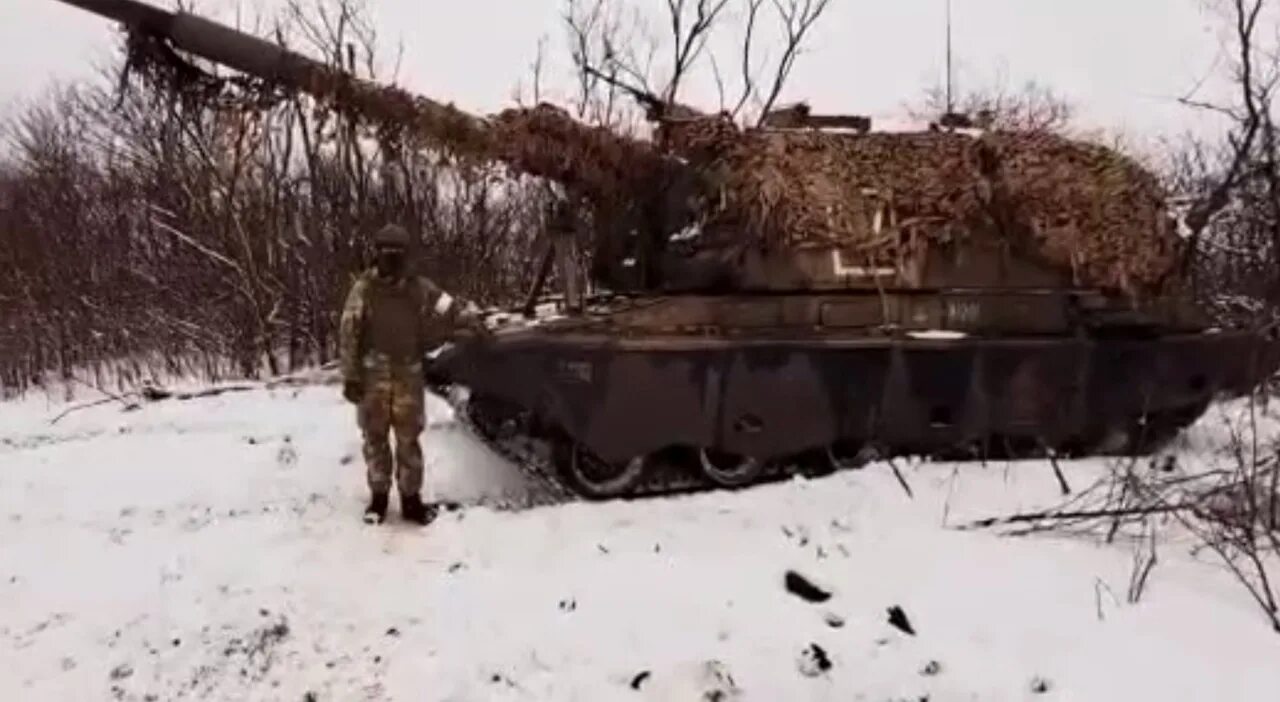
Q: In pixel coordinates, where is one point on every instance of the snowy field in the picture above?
(213, 549)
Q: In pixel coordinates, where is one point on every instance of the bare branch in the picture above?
(797, 17)
(748, 75)
(689, 46)
(720, 89)
(1246, 22)
(1210, 107)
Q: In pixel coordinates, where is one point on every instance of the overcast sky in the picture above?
(1122, 61)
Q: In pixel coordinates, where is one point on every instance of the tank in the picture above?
(800, 297)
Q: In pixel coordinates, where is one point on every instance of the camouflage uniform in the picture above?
(387, 327)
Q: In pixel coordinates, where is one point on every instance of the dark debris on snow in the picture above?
(803, 588)
(898, 618)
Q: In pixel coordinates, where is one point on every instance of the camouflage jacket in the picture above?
(403, 318)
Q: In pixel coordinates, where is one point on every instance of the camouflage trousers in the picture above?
(392, 402)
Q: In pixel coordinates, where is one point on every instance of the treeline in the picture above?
(216, 233)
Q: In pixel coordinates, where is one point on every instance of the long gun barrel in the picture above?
(263, 59)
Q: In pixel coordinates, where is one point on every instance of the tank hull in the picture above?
(776, 399)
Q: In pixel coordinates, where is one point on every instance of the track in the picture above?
(534, 455)
(534, 458)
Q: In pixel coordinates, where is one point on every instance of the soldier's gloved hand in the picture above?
(352, 390)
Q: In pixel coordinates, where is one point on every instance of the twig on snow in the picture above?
(901, 480)
(1057, 471)
(110, 397)
(76, 408)
(1144, 561)
(1098, 586)
(1062, 516)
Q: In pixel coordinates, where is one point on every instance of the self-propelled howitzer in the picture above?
(793, 296)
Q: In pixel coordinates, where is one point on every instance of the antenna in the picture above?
(950, 102)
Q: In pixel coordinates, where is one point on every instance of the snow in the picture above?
(690, 232)
(551, 310)
(937, 334)
(212, 549)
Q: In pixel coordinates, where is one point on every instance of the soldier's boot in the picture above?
(413, 510)
(376, 512)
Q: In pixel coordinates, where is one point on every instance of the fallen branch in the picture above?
(110, 397)
(86, 405)
(1051, 515)
(212, 392)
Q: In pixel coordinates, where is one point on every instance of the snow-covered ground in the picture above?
(212, 549)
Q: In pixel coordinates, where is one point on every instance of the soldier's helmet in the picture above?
(392, 236)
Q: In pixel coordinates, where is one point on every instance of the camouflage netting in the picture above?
(593, 161)
(1079, 206)
(543, 141)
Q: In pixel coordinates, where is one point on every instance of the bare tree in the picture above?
(595, 39)
(603, 56)
(689, 39)
(798, 17)
(1239, 177)
(606, 56)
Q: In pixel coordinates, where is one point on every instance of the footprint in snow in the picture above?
(708, 680)
(287, 456)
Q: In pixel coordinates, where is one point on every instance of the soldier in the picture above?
(390, 320)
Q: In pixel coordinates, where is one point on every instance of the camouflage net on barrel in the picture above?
(601, 165)
(1079, 206)
(543, 141)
